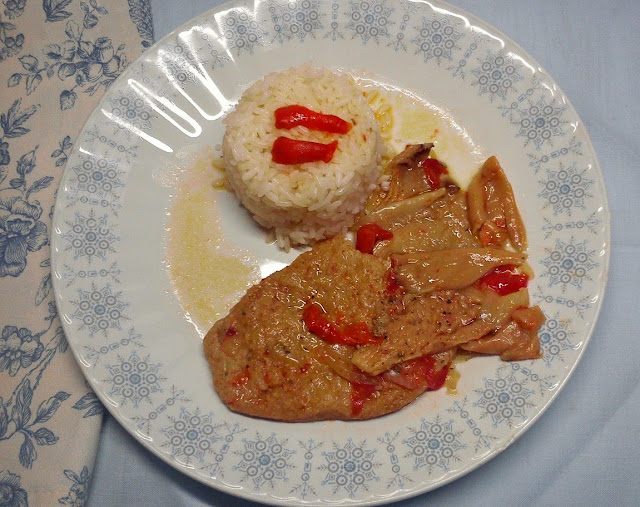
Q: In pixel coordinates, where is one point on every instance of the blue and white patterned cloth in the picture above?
(57, 57)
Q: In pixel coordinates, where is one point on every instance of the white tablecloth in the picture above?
(585, 450)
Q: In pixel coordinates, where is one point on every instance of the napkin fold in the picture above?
(57, 58)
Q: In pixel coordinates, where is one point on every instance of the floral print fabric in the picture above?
(57, 57)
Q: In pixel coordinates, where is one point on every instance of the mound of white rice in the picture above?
(307, 202)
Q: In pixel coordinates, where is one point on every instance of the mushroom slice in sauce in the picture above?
(493, 213)
(423, 272)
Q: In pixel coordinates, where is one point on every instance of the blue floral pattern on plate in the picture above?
(119, 312)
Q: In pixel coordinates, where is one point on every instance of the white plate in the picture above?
(144, 358)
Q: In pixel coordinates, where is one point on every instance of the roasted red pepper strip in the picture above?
(433, 171)
(394, 288)
(436, 378)
(291, 116)
(291, 151)
(359, 333)
(317, 322)
(418, 373)
(503, 281)
(368, 235)
(359, 394)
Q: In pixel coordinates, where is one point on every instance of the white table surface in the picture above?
(585, 450)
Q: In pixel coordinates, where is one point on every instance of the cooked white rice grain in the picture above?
(308, 202)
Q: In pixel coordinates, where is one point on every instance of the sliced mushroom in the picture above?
(493, 213)
(423, 272)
